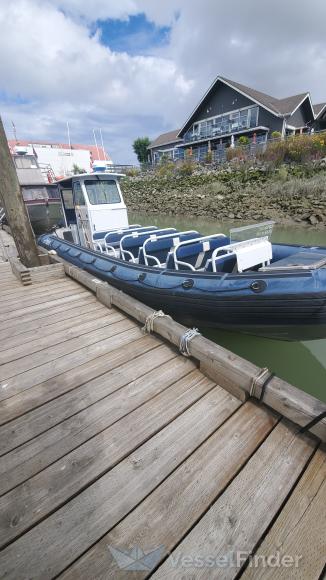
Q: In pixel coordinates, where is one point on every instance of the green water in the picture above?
(302, 364)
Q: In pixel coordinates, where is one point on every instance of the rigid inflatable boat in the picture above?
(240, 282)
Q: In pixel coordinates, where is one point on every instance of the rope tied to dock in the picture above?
(149, 322)
(186, 338)
(261, 381)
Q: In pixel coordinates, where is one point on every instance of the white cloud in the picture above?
(160, 12)
(49, 57)
(66, 74)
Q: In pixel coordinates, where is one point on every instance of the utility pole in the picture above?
(13, 203)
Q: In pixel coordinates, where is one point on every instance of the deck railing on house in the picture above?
(202, 154)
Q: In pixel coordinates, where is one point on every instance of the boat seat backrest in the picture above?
(101, 235)
(196, 254)
(226, 264)
(130, 244)
(157, 250)
(113, 238)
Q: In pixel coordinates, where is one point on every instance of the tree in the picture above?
(77, 170)
(140, 148)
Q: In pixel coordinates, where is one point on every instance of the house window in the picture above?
(253, 112)
(233, 122)
(196, 128)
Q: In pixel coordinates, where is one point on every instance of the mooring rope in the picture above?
(186, 338)
(258, 381)
(149, 322)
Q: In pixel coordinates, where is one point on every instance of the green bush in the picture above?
(276, 135)
(132, 172)
(165, 169)
(185, 168)
(235, 153)
(243, 140)
(209, 157)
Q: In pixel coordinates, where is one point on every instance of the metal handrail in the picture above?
(187, 242)
(134, 235)
(164, 236)
(230, 249)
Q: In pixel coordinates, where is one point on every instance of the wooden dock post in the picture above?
(14, 206)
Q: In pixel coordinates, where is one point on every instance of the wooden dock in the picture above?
(121, 459)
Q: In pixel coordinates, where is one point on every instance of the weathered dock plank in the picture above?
(43, 418)
(167, 514)
(242, 514)
(111, 497)
(109, 437)
(48, 316)
(120, 349)
(300, 528)
(43, 344)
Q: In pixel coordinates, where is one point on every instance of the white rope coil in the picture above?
(186, 338)
(149, 322)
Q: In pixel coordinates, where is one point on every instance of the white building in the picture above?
(62, 157)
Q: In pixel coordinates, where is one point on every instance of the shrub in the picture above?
(243, 140)
(235, 153)
(282, 173)
(274, 152)
(185, 168)
(209, 157)
(165, 169)
(132, 172)
(276, 135)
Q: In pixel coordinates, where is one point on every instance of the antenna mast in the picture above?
(102, 144)
(98, 153)
(14, 130)
(68, 131)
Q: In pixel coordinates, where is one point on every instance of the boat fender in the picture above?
(258, 286)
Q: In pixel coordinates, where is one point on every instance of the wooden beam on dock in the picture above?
(15, 209)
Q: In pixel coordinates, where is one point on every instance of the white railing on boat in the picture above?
(206, 247)
(249, 253)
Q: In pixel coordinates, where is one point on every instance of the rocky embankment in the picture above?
(287, 194)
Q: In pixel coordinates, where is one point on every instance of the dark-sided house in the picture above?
(320, 114)
(229, 110)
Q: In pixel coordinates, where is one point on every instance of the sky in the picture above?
(138, 67)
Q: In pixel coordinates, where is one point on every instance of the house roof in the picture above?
(279, 107)
(288, 105)
(262, 98)
(319, 108)
(165, 139)
(284, 106)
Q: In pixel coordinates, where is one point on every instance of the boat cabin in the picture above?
(92, 205)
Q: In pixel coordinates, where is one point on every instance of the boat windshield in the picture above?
(102, 191)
